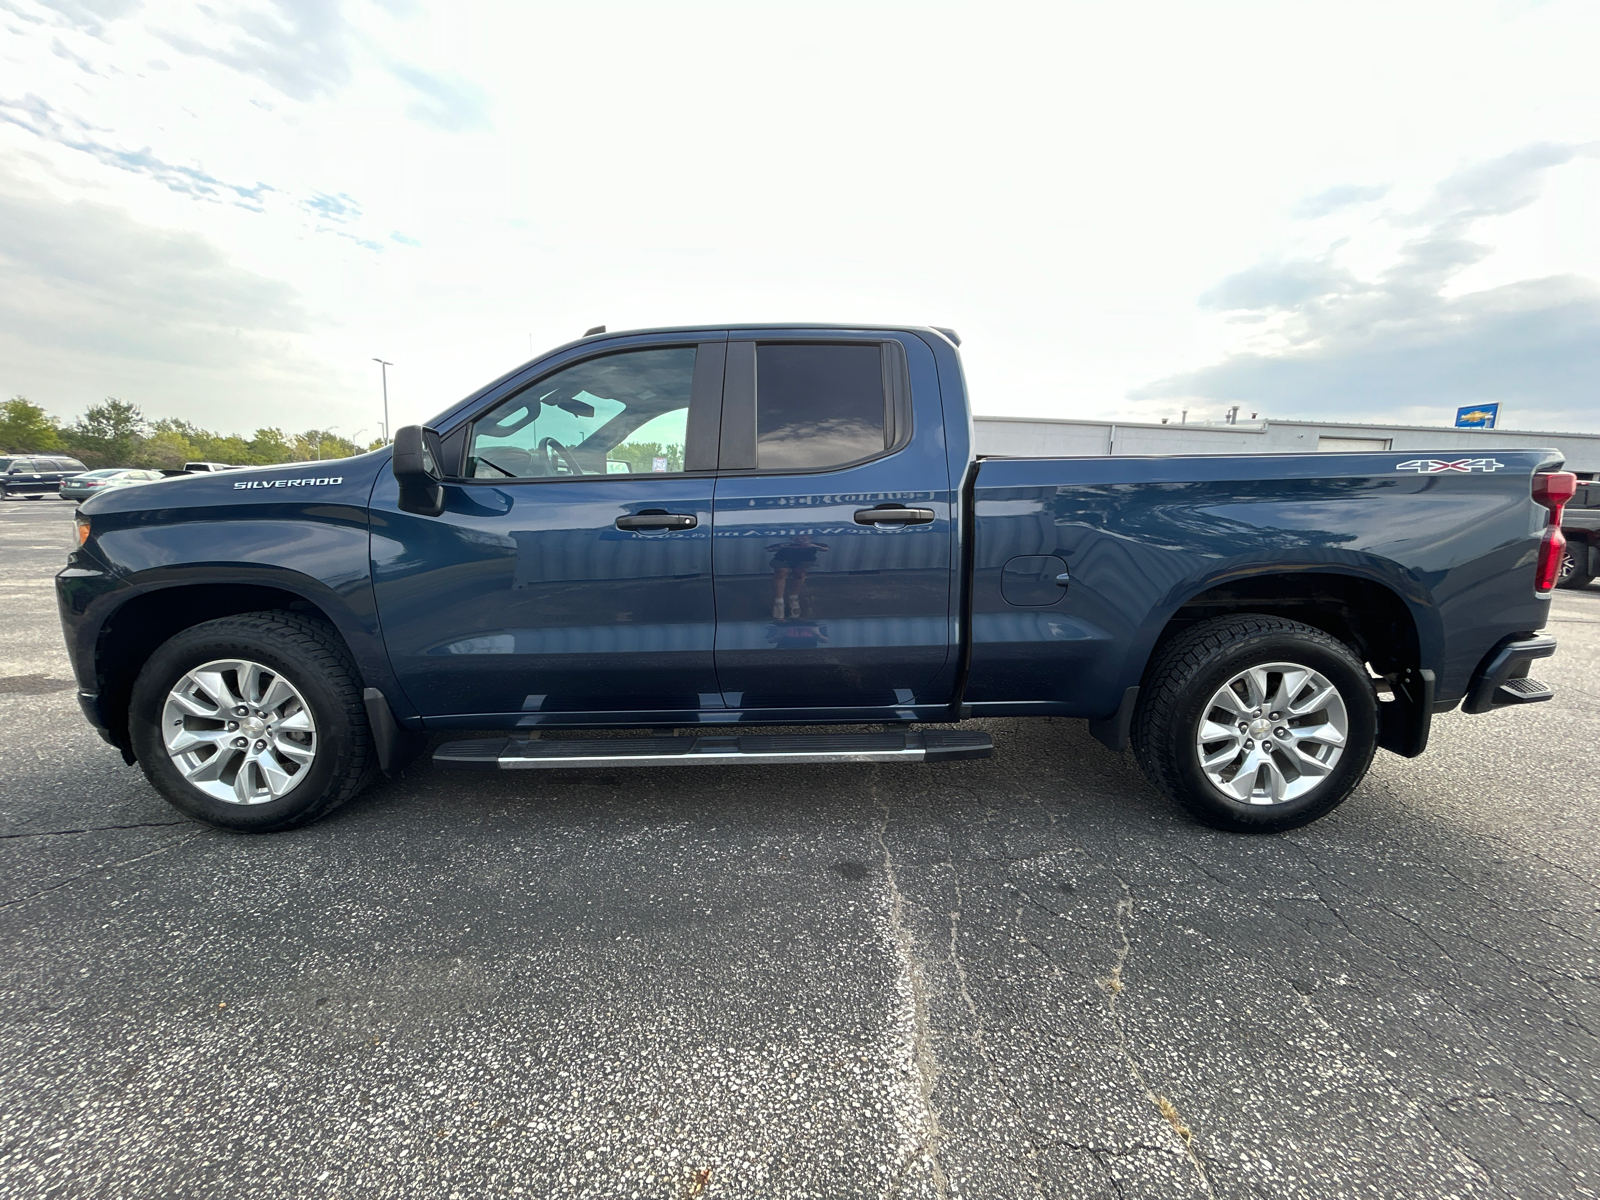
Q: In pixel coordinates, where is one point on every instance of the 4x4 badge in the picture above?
(1438, 466)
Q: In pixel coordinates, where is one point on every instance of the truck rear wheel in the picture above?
(252, 723)
(1256, 724)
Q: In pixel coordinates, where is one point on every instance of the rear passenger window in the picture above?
(819, 406)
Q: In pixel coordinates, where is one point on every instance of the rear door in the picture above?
(570, 572)
(834, 541)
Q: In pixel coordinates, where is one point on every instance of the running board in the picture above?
(513, 754)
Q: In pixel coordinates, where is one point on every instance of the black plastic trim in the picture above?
(738, 447)
(705, 408)
(1509, 660)
(1405, 722)
(393, 746)
(1113, 732)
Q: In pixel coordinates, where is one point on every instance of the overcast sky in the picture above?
(1340, 211)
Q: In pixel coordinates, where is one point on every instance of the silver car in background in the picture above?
(81, 487)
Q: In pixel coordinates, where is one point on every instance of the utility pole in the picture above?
(384, 366)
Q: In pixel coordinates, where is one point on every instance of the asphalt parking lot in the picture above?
(1021, 977)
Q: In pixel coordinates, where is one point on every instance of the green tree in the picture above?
(316, 444)
(26, 426)
(111, 431)
(269, 446)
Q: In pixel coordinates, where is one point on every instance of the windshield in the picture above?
(99, 474)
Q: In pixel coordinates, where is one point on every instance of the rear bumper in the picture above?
(1501, 680)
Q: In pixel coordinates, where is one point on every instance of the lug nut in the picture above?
(1249, 745)
(1266, 745)
(1283, 733)
(240, 743)
(261, 745)
(1276, 716)
(232, 725)
(1243, 727)
(261, 714)
(241, 711)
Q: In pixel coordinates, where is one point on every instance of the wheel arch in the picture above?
(156, 611)
(1371, 617)
(1368, 615)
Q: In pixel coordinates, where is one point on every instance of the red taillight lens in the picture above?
(1553, 491)
(1551, 551)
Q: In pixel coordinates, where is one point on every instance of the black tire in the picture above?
(311, 657)
(40, 496)
(1191, 669)
(1571, 576)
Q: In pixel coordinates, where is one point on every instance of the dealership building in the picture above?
(1031, 436)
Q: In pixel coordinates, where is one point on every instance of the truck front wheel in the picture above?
(252, 723)
(1256, 724)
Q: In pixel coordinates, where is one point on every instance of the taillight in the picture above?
(1553, 491)
(83, 528)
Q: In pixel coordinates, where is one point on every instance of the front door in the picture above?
(833, 539)
(570, 571)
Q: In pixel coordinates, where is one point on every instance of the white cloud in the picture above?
(1403, 342)
(158, 317)
(455, 187)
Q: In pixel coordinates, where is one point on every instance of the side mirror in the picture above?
(416, 467)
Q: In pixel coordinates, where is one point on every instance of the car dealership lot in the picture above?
(1020, 977)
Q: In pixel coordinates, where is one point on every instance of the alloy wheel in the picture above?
(1272, 733)
(239, 731)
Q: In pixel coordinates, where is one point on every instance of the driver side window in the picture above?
(622, 414)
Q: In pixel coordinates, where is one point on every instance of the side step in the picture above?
(1522, 691)
(513, 754)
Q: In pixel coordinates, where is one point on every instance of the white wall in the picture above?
(1030, 437)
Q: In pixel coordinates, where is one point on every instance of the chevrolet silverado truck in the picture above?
(697, 533)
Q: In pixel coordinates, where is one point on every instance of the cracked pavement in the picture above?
(1020, 977)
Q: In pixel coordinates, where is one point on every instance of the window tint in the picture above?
(73, 464)
(818, 406)
(624, 414)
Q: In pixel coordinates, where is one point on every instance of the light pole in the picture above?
(384, 366)
(320, 432)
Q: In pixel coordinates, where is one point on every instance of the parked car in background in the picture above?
(1580, 525)
(200, 468)
(81, 487)
(33, 475)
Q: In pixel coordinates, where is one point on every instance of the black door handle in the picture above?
(893, 514)
(656, 518)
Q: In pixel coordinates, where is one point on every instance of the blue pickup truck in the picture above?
(705, 531)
